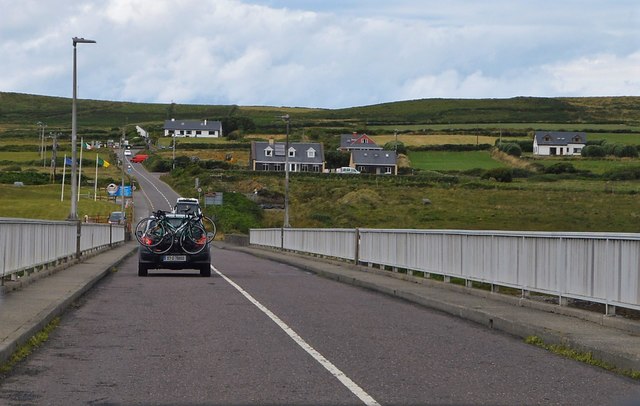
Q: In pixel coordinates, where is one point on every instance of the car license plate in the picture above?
(174, 258)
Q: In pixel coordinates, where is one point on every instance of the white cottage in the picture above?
(192, 128)
(550, 143)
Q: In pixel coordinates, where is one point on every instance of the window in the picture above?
(387, 170)
(198, 132)
(268, 151)
(265, 167)
(311, 153)
(278, 167)
(292, 152)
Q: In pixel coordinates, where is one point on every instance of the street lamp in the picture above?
(73, 215)
(286, 118)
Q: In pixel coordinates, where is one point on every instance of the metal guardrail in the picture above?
(31, 245)
(595, 267)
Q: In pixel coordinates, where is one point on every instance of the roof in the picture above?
(259, 148)
(357, 141)
(373, 158)
(209, 125)
(560, 137)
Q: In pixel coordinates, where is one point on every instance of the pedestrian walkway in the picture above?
(27, 310)
(614, 340)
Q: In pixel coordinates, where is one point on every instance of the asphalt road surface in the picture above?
(259, 332)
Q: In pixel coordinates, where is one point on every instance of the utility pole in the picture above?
(286, 224)
(42, 127)
(54, 153)
(395, 133)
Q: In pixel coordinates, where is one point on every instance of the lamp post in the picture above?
(73, 215)
(286, 118)
(122, 148)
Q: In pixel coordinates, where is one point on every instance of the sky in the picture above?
(323, 53)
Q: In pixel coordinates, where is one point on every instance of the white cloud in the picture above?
(320, 54)
(597, 75)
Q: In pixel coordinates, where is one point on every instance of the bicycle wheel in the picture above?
(148, 230)
(193, 239)
(210, 227)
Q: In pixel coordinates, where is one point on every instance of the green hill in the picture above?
(22, 111)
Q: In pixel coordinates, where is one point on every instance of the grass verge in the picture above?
(34, 342)
(585, 357)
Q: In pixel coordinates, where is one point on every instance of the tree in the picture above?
(391, 146)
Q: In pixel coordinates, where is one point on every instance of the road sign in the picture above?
(112, 189)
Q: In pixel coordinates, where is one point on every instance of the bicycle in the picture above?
(159, 235)
(207, 223)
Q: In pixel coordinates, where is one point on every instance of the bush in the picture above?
(499, 174)
(630, 173)
(627, 151)
(237, 214)
(27, 177)
(157, 164)
(510, 148)
(593, 151)
(560, 167)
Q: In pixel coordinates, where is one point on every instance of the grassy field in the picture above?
(452, 161)
(596, 166)
(434, 139)
(397, 202)
(512, 126)
(548, 202)
(43, 202)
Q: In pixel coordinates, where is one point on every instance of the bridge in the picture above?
(273, 326)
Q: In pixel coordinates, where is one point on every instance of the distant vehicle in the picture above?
(187, 205)
(139, 158)
(117, 217)
(127, 152)
(348, 170)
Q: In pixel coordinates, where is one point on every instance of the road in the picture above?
(260, 332)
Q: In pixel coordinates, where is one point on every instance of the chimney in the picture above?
(271, 141)
(205, 121)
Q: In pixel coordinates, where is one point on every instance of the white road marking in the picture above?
(345, 380)
(154, 186)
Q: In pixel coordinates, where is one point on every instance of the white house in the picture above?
(192, 128)
(550, 143)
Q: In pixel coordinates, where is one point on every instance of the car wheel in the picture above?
(143, 270)
(205, 270)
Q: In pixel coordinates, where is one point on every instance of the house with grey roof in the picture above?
(349, 142)
(378, 162)
(192, 128)
(550, 143)
(301, 156)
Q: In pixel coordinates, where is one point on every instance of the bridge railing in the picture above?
(595, 267)
(32, 245)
